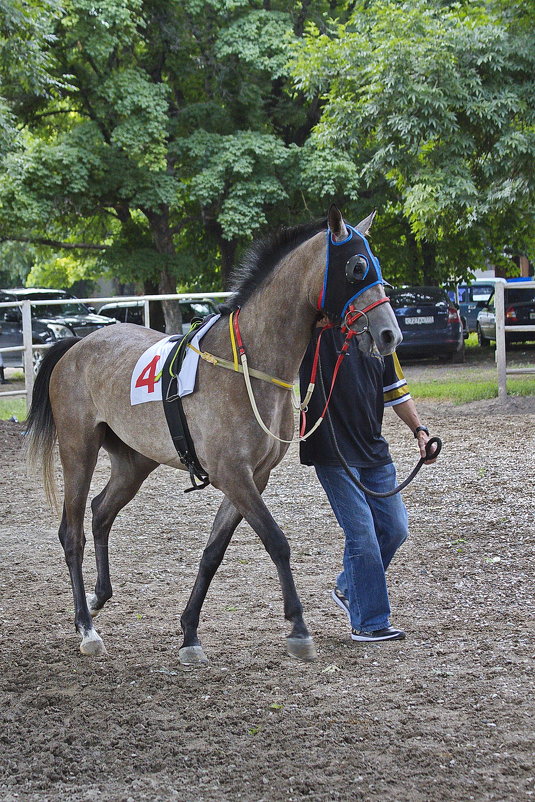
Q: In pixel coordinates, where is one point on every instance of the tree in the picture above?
(167, 140)
(432, 109)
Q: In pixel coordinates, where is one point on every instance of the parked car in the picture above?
(133, 311)
(49, 323)
(430, 323)
(519, 311)
(469, 297)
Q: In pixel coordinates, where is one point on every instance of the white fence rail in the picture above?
(28, 347)
(502, 329)
(27, 341)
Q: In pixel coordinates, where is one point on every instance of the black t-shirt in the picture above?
(364, 386)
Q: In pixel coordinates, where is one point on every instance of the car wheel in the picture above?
(37, 359)
(483, 341)
(458, 357)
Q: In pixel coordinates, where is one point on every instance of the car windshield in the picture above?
(54, 310)
(482, 293)
(61, 310)
(193, 309)
(412, 296)
(519, 296)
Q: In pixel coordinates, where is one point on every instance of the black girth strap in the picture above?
(174, 413)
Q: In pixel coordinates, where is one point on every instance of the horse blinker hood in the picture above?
(350, 269)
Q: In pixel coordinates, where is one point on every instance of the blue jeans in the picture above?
(374, 529)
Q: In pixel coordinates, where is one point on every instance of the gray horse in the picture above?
(82, 400)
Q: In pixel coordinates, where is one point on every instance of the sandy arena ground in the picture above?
(445, 715)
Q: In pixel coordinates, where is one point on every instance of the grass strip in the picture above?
(13, 407)
(466, 391)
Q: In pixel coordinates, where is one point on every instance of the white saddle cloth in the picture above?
(146, 384)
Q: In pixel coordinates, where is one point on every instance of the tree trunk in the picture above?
(414, 270)
(157, 320)
(228, 255)
(163, 240)
(429, 253)
(227, 248)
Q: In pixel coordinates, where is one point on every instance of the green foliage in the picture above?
(434, 109)
(151, 140)
(237, 176)
(168, 138)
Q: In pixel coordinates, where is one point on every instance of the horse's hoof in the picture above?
(192, 656)
(93, 645)
(302, 648)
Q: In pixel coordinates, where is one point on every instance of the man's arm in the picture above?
(408, 413)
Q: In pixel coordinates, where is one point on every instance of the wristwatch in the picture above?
(421, 429)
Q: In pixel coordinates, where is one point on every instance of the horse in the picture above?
(286, 283)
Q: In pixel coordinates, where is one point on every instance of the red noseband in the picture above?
(352, 315)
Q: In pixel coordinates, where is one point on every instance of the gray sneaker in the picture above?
(338, 598)
(389, 633)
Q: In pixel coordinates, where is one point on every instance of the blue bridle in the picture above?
(350, 269)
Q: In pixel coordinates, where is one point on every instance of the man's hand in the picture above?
(423, 438)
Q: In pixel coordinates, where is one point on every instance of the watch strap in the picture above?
(420, 429)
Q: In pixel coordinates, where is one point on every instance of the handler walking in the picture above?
(374, 528)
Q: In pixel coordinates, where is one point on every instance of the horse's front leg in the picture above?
(225, 523)
(247, 499)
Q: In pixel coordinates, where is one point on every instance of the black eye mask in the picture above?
(350, 269)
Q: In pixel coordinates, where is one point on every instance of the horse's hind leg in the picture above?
(225, 522)
(129, 469)
(77, 473)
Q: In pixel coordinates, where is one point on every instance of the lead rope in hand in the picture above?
(433, 441)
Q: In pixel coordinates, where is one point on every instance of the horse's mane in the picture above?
(262, 257)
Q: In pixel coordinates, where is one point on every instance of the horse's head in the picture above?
(353, 292)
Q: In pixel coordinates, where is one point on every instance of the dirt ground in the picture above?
(444, 715)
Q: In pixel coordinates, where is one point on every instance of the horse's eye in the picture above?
(356, 268)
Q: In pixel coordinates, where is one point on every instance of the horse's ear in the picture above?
(365, 225)
(336, 223)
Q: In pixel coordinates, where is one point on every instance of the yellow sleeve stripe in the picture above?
(397, 392)
(397, 367)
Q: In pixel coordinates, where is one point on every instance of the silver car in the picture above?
(519, 311)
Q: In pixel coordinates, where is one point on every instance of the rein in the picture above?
(240, 364)
(433, 441)
(352, 315)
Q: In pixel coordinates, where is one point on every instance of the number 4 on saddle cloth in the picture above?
(166, 372)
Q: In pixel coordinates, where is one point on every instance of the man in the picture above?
(374, 528)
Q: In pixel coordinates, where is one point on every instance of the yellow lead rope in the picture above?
(247, 373)
(237, 368)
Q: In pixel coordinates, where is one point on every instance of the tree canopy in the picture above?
(432, 109)
(152, 139)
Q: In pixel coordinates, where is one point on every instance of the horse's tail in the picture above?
(40, 424)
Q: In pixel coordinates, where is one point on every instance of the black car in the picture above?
(49, 323)
(133, 311)
(430, 323)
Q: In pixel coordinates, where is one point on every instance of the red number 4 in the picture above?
(147, 377)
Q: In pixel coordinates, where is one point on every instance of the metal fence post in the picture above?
(501, 358)
(28, 350)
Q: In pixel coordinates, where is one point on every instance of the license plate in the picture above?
(414, 321)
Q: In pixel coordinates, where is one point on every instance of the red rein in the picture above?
(351, 317)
